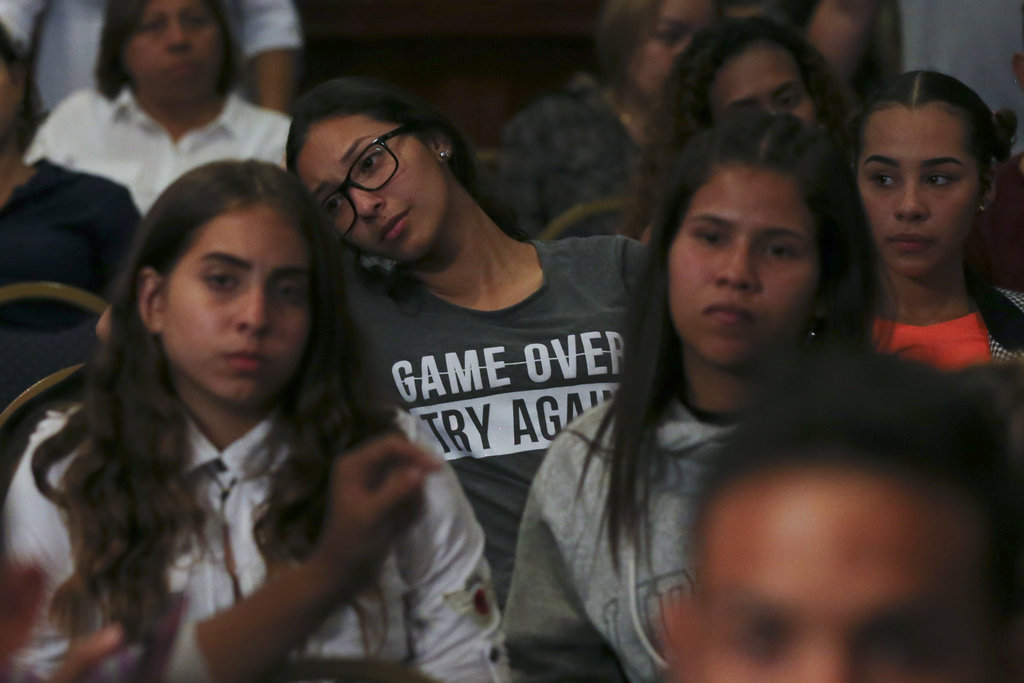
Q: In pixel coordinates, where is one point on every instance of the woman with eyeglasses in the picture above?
(494, 342)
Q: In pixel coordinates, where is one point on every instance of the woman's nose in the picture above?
(737, 268)
(912, 206)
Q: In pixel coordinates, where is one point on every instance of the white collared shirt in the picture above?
(116, 139)
(424, 614)
(69, 36)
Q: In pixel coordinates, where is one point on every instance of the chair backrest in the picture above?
(573, 218)
(349, 671)
(19, 418)
(52, 291)
(27, 353)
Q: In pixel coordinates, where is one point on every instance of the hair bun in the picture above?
(1005, 128)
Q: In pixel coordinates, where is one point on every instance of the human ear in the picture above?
(989, 195)
(1018, 68)
(441, 145)
(151, 293)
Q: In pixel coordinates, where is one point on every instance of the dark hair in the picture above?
(653, 362)
(685, 107)
(622, 26)
(383, 101)
(878, 414)
(125, 493)
(989, 135)
(27, 118)
(119, 24)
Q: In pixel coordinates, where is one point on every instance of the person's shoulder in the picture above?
(1015, 297)
(97, 187)
(571, 448)
(624, 254)
(80, 102)
(581, 97)
(246, 112)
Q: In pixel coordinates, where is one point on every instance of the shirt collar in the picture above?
(126, 107)
(239, 457)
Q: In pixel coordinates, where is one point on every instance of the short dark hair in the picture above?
(119, 23)
(989, 135)
(879, 414)
(846, 287)
(27, 117)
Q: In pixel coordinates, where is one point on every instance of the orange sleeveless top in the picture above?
(950, 345)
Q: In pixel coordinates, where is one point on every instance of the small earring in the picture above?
(981, 207)
(444, 154)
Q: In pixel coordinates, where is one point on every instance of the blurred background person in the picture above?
(164, 103)
(55, 224)
(64, 37)
(581, 144)
(864, 525)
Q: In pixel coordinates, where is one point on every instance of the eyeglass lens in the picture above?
(371, 171)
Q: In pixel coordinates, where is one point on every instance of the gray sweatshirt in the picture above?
(572, 615)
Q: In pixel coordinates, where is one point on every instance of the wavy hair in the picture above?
(685, 107)
(654, 371)
(125, 494)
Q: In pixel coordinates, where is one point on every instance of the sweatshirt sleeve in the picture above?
(550, 636)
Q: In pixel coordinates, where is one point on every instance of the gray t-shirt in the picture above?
(495, 387)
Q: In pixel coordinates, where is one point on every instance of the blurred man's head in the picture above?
(863, 528)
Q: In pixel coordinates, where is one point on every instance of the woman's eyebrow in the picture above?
(939, 161)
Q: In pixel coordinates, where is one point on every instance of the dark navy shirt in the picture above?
(63, 226)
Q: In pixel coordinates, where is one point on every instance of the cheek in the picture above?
(807, 112)
(650, 67)
(685, 272)
(798, 293)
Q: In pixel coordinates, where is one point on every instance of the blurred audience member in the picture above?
(581, 144)
(55, 224)
(863, 525)
(737, 65)
(67, 37)
(165, 103)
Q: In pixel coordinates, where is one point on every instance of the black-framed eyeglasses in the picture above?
(374, 168)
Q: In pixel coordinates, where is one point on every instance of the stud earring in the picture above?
(444, 154)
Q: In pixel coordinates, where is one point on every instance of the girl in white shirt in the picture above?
(201, 459)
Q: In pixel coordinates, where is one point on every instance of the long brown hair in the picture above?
(655, 373)
(124, 493)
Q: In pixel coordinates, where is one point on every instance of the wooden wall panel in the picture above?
(478, 60)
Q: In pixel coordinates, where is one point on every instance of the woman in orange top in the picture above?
(926, 147)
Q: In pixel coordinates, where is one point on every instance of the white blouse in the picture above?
(116, 139)
(424, 614)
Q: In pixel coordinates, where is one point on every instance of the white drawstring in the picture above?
(634, 613)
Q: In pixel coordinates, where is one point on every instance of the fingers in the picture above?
(21, 596)
(85, 654)
(370, 465)
(376, 492)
